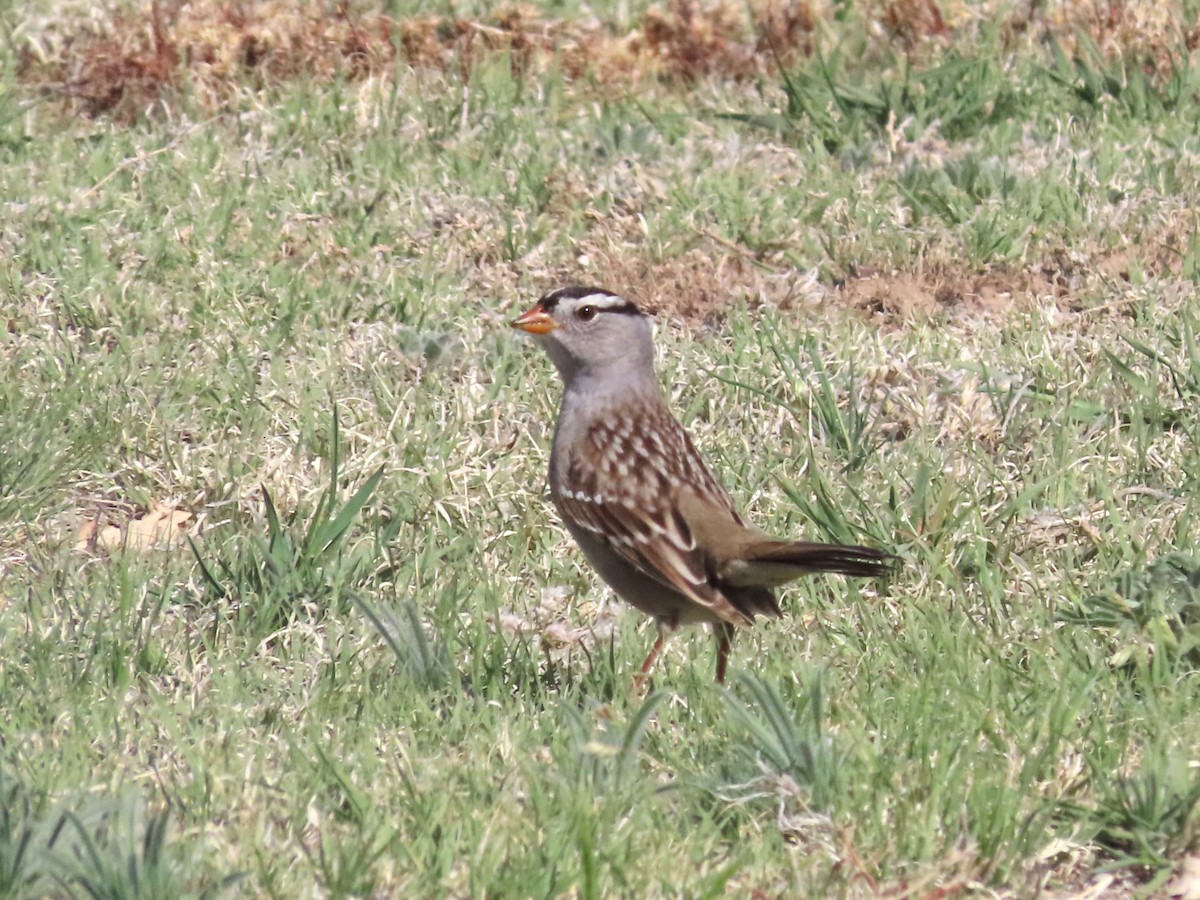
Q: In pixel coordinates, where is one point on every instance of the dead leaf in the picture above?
(86, 538)
(162, 527)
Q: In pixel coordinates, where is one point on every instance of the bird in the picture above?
(634, 493)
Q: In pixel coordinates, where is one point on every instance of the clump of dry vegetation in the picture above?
(210, 48)
(138, 55)
(1148, 36)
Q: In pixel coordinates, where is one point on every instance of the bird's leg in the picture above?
(724, 633)
(665, 626)
(656, 649)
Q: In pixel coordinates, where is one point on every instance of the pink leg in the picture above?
(654, 651)
(665, 626)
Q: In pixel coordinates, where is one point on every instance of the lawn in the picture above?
(285, 609)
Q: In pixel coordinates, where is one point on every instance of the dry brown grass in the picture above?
(1143, 33)
(124, 63)
(139, 56)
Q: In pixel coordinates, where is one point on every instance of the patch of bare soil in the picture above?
(702, 287)
(704, 284)
(1070, 281)
(900, 296)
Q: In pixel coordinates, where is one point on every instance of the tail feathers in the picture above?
(771, 563)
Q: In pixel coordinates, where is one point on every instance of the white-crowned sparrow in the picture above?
(642, 505)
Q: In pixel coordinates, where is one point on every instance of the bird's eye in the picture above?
(585, 313)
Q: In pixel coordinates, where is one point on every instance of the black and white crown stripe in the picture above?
(603, 300)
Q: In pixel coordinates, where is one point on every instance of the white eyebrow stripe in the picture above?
(603, 301)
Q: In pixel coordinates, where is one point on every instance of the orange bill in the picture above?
(535, 321)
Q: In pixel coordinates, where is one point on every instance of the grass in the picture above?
(941, 300)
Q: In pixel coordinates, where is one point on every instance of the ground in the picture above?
(285, 608)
